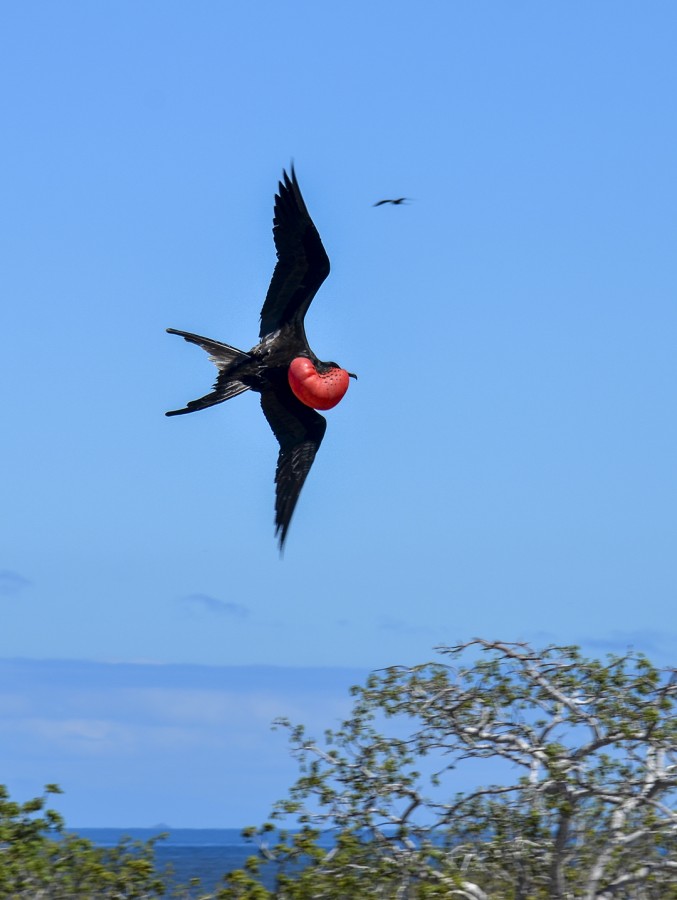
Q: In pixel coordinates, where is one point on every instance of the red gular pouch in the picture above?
(319, 390)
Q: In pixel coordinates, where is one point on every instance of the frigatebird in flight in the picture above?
(292, 381)
(397, 202)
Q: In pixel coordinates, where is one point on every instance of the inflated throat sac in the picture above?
(319, 391)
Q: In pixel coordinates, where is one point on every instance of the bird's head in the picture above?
(320, 385)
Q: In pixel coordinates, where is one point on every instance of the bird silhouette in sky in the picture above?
(292, 381)
(397, 202)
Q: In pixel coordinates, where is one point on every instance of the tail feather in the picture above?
(221, 392)
(222, 355)
(227, 385)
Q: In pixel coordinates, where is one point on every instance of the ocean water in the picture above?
(204, 853)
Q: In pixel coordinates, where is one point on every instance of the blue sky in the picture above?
(505, 464)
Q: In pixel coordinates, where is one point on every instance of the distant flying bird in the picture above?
(396, 202)
(282, 368)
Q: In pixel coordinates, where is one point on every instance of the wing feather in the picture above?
(299, 431)
(302, 262)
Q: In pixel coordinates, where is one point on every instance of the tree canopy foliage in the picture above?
(40, 860)
(585, 806)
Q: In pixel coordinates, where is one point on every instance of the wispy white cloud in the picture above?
(12, 583)
(661, 646)
(205, 603)
(390, 623)
(174, 741)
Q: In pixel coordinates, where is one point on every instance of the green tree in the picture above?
(585, 807)
(40, 860)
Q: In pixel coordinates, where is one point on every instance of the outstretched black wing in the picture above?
(299, 431)
(302, 262)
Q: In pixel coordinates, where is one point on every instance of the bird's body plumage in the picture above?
(302, 266)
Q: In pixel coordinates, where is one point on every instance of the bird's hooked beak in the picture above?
(352, 375)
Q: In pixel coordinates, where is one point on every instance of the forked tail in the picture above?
(227, 384)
